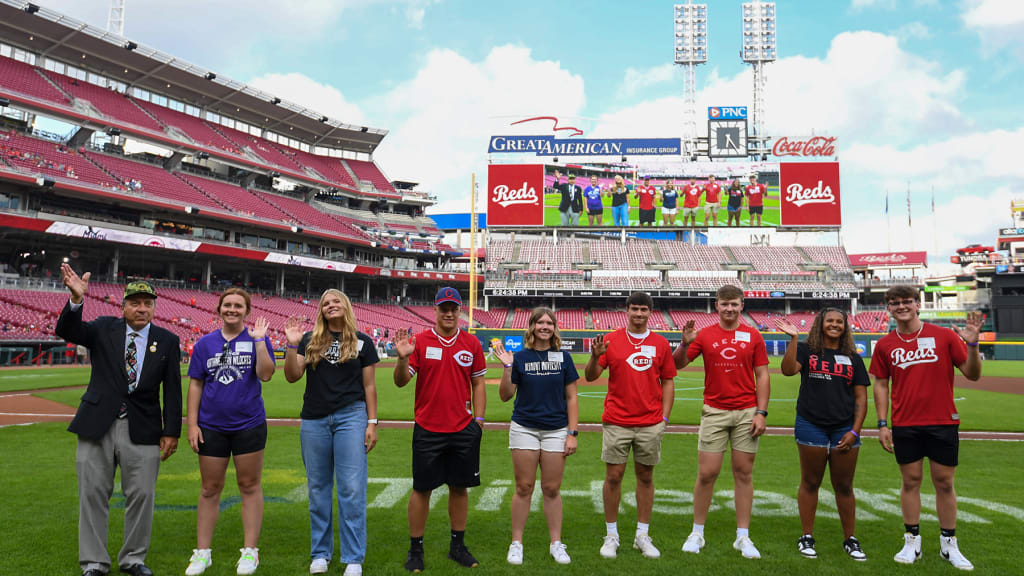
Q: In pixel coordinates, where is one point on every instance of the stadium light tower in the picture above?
(115, 22)
(758, 49)
(691, 32)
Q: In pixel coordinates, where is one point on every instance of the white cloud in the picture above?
(304, 91)
(440, 127)
(639, 80)
(913, 31)
(998, 23)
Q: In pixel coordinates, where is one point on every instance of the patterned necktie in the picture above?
(131, 361)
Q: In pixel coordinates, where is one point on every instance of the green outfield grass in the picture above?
(40, 512)
(979, 410)
(771, 216)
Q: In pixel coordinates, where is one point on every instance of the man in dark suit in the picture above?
(119, 421)
(571, 204)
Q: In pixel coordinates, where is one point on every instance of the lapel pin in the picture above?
(152, 347)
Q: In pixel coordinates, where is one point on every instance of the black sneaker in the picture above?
(460, 554)
(806, 546)
(852, 547)
(414, 563)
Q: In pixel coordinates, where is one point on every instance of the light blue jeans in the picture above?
(620, 215)
(333, 450)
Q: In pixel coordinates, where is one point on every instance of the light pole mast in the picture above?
(115, 23)
(691, 48)
(759, 43)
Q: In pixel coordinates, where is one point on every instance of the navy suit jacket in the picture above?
(569, 200)
(108, 382)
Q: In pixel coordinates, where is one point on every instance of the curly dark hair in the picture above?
(816, 337)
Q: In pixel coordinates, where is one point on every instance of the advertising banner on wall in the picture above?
(515, 195)
(889, 259)
(809, 194)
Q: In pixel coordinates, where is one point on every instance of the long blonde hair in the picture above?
(322, 338)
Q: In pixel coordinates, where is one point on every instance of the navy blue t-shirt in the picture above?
(669, 198)
(541, 378)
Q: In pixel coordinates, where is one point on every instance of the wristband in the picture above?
(665, 418)
(883, 423)
(371, 420)
(479, 418)
(507, 365)
(761, 412)
(971, 343)
(292, 347)
(854, 433)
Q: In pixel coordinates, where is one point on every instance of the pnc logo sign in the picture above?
(515, 195)
(810, 194)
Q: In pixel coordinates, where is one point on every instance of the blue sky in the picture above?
(918, 91)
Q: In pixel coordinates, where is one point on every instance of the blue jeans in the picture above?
(809, 434)
(620, 215)
(333, 450)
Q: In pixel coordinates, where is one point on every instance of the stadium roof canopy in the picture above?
(49, 33)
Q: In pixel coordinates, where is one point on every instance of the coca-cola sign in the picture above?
(814, 146)
(810, 194)
(890, 259)
(515, 195)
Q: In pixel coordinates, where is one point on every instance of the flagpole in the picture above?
(888, 219)
(910, 222)
(935, 224)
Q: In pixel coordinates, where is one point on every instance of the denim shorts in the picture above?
(808, 434)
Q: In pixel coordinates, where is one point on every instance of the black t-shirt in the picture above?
(620, 198)
(826, 396)
(735, 196)
(334, 383)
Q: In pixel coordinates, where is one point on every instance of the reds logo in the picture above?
(640, 361)
(902, 358)
(820, 194)
(504, 197)
(728, 353)
(464, 358)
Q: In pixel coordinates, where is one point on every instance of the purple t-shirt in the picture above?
(232, 399)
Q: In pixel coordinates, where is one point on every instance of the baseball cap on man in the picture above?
(139, 288)
(447, 294)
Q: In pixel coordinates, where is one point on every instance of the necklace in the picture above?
(916, 334)
(636, 345)
(447, 342)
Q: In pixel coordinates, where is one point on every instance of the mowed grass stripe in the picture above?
(40, 534)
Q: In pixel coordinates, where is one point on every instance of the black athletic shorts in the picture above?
(939, 444)
(223, 444)
(756, 209)
(596, 211)
(647, 216)
(451, 458)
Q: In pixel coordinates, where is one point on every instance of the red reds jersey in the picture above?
(646, 194)
(730, 357)
(636, 367)
(443, 402)
(711, 193)
(691, 196)
(922, 374)
(755, 194)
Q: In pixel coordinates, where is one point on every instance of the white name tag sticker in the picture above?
(243, 347)
(554, 356)
(926, 342)
(742, 336)
(359, 345)
(841, 359)
(433, 353)
(649, 351)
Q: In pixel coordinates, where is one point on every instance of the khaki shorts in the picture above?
(645, 441)
(712, 206)
(719, 428)
(690, 211)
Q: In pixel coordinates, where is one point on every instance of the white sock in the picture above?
(642, 528)
(741, 532)
(556, 542)
(699, 529)
(612, 527)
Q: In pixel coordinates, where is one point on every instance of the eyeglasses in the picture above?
(225, 353)
(904, 302)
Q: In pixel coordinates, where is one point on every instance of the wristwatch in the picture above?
(371, 420)
(761, 412)
(574, 432)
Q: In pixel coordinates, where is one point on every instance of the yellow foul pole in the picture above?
(472, 251)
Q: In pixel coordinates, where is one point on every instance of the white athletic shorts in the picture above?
(523, 438)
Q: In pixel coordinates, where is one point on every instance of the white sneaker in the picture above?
(694, 542)
(643, 543)
(746, 547)
(354, 570)
(610, 547)
(911, 549)
(805, 545)
(515, 553)
(248, 561)
(318, 566)
(557, 550)
(199, 562)
(951, 552)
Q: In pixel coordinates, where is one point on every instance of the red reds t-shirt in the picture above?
(922, 374)
(691, 196)
(711, 193)
(636, 368)
(443, 402)
(646, 194)
(729, 360)
(755, 194)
